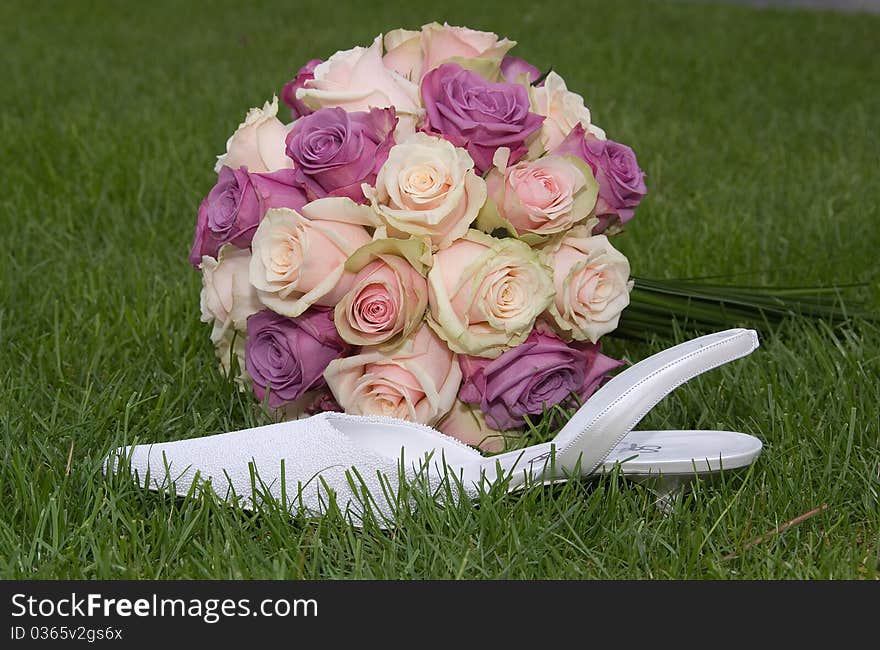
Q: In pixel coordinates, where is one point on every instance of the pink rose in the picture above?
(258, 143)
(386, 302)
(417, 381)
(544, 196)
(440, 43)
(299, 257)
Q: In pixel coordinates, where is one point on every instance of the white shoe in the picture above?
(299, 462)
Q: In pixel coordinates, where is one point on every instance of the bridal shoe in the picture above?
(299, 463)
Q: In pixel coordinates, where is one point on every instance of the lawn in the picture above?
(758, 132)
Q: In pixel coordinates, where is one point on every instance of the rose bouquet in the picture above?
(428, 238)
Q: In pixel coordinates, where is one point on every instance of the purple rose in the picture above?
(540, 372)
(233, 208)
(476, 114)
(288, 356)
(512, 67)
(288, 94)
(621, 181)
(334, 151)
(322, 402)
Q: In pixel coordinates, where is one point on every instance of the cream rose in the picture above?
(227, 297)
(484, 294)
(413, 53)
(258, 143)
(299, 258)
(357, 80)
(388, 297)
(229, 346)
(442, 43)
(563, 109)
(592, 283)
(428, 188)
(467, 423)
(403, 53)
(417, 381)
(544, 196)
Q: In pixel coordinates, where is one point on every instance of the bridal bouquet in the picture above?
(428, 238)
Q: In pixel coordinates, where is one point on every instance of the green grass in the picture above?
(758, 131)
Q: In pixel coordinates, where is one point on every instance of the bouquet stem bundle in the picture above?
(660, 307)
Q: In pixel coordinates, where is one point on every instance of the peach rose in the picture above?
(357, 80)
(388, 297)
(258, 143)
(428, 188)
(441, 43)
(484, 294)
(417, 381)
(467, 423)
(299, 258)
(592, 283)
(227, 297)
(563, 109)
(545, 196)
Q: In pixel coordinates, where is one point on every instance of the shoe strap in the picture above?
(615, 409)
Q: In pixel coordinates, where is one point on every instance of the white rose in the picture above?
(357, 80)
(428, 188)
(563, 110)
(592, 283)
(258, 143)
(227, 297)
